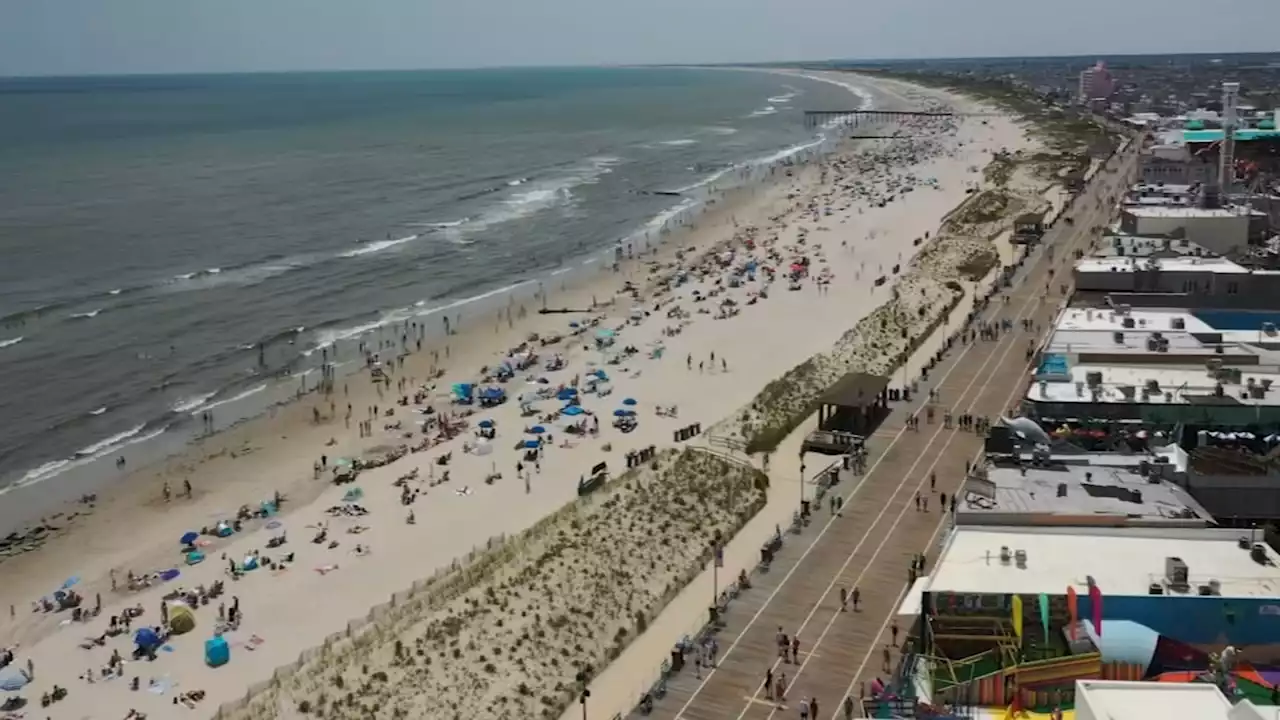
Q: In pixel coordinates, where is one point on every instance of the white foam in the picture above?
(99, 411)
(679, 143)
(86, 315)
(234, 398)
(541, 195)
(326, 338)
(188, 404)
(722, 130)
(378, 246)
(766, 110)
(11, 341)
(96, 451)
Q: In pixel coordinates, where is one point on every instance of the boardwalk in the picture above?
(870, 547)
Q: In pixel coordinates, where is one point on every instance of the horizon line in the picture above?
(762, 63)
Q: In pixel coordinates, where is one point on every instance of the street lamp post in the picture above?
(582, 700)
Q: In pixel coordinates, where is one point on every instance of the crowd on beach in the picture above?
(558, 394)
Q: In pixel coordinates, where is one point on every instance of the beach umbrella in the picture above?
(188, 537)
(573, 410)
(566, 394)
(70, 581)
(146, 639)
(629, 401)
(486, 423)
(531, 444)
(574, 325)
(621, 413)
(537, 429)
(604, 333)
(13, 679)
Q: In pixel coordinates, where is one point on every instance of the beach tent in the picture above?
(573, 411)
(482, 447)
(147, 640)
(600, 374)
(216, 652)
(195, 557)
(629, 401)
(462, 392)
(181, 619)
(13, 679)
(189, 538)
(566, 394)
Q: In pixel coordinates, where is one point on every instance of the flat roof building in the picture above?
(1121, 700)
(1121, 561)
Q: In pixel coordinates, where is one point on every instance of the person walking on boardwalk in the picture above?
(933, 481)
(893, 632)
(887, 655)
(856, 597)
(795, 649)
(783, 644)
(813, 708)
(780, 688)
(804, 710)
(768, 683)
(848, 708)
(844, 598)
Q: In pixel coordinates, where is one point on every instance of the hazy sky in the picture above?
(143, 36)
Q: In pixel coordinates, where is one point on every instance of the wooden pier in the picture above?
(870, 546)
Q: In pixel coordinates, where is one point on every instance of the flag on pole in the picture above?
(1073, 610)
(1017, 615)
(1044, 614)
(1095, 599)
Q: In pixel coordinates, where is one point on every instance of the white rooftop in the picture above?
(1122, 561)
(1175, 385)
(1190, 212)
(1118, 700)
(1182, 263)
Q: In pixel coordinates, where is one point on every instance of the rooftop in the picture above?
(1080, 489)
(1182, 263)
(1119, 700)
(1173, 385)
(1144, 245)
(1244, 134)
(1122, 561)
(1189, 212)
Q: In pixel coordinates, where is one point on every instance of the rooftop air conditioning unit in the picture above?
(1213, 365)
(1127, 391)
(1005, 555)
(1119, 337)
(1176, 573)
(1179, 324)
(1020, 559)
(1093, 378)
(1079, 389)
(1153, 385)
(1155, 589)
(1128, 323)
(1269, 328)
(1218, 390)
(1266, 384)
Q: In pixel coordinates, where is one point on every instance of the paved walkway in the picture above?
(881, 529)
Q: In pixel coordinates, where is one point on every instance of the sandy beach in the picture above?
(687, 336)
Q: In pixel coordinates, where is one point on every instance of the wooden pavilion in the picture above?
(848, 411)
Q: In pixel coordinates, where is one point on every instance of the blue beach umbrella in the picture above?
(629, 401)
(573, 410)
(621, 413)
(605, 334)
(531, 444)
(567, 394)
(188, 537)
(70, 581)
(537, 429)
(13, 679)
(574, 325)
(486, 424)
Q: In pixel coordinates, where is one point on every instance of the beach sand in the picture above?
(847, 239)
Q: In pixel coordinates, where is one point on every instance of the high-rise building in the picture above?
(1095, 83)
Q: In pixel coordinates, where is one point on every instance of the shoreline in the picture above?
(156, 444)
(712, 396)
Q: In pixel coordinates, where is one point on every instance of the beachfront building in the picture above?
(1220, 230)
(1161, 368)
(1095, 84)
(1014, 617)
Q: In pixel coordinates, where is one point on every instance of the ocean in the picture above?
(177, 244)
